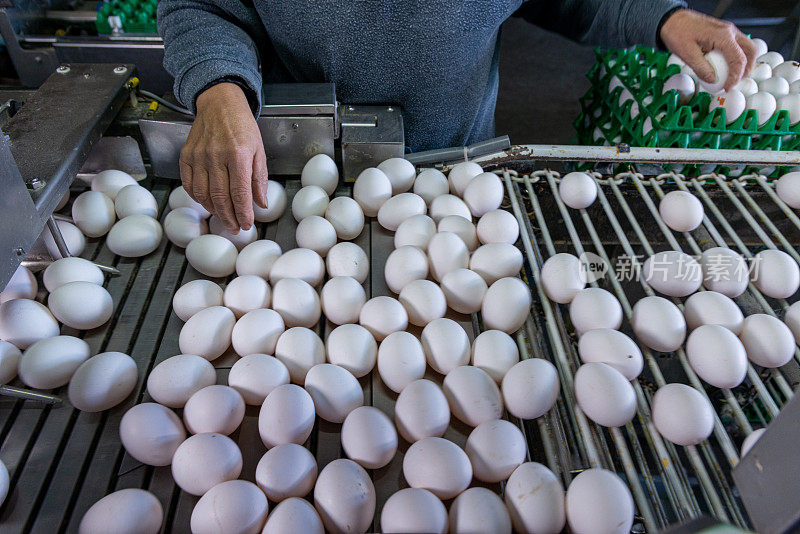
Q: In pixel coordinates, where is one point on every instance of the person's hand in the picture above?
(223, 165)
(690, 34)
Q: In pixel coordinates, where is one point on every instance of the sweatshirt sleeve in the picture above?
(610, 23)
(205, 40)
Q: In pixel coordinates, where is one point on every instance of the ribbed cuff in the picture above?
(202, 75)
(644, 20)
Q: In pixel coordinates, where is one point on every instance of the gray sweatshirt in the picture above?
(435, 58)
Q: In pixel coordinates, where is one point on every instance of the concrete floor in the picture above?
(542, 75)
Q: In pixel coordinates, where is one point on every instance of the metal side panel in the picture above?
(18, 220)
(370, 134)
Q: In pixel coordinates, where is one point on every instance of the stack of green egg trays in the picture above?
(136, 16)
(662, 121)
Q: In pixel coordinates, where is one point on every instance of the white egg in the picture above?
(593, 308)
(346, 216)
(498, 226)
(682, 415)
(371, 189)
(309, 200)
(73, 238)
(673, 273)
(207, 333)
(246, 293)
(462, 227)
(446, 345)
(773, 59)
(761, 71)
(683, 84)
(184, 224)
(296, 302)
(321, 171)
(751, 440)
(401, 361)
(93, 213)
(276, 203)
(658, 323)
(562, 277)
(286, 471)
(214, 408)
(369, 437)
(599, 501)
(413, 510)
(345, 497)
(423, 300)
(775, 273)
(335, 391)
(352, 346)
(204, 461)
(717, 356)
(347, 259)
(299, 349)
(315, 233)
(445, 205)
(461, 174)
(446, 252)
(681, 211)
(429, 184)
(710, 307)
(767, 341)
(342, 298)
(494, 261)
(792, 320)
(151, 433)
(464, 290)
(287, 416)
(257, 258)
(399, 208)
(495, 449)
(194, 296)
(437, 465)
(302, 263)
(293, 515)
(415, 231)
(760, 46)
(23, 285)
(404, 265)
(118, 511)
(111, 181)
(174, 380)
(135, 199)
(212, 255)
(495, 352)
(506, 305)
(103, 381)
(479, 510)
(613, 348)
(790, 70)
(578, 190)
(472, 395)
(256, 375)
(401, 174)
(179, 198)
(724, 271)
(530, 388)
(421, 411)
(720, 66)
(764, 104)
(81, 305)
(24, 322)
(747, 86)
(794, 87)
(535, 499)
(382, 316)
(233, 506)
(687, 70)
(776, 86)
(9, 361)
(239, 240)
(788, 189)
(134, 236)
(51, 362)
(604, 394)
(483, 194)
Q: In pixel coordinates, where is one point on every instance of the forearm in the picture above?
(208, 40)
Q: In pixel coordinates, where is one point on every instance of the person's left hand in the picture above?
(690, 34)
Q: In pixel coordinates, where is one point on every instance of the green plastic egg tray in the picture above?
(643, 71)
(136, 16)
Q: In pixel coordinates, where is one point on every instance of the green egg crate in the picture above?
(643, 71)
(136, 16)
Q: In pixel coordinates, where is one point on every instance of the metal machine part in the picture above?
(370, 134)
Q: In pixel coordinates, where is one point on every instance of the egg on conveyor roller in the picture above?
(299, 349)
(212, 255)
(401, 174)
(352, 346)
(321, 171)
(93, 213)
(613, 348)
(208, 332)
(286, 471)
(240, 239)
(682, 414)
(179, 198)
(151, 433)
(462, 227)
(535, 499)
(174, 380)
(205, 460)
(371, 189)
(424, 301)
(775, 273)
(421, 411)
(67, 270)
(304, 264)
(415, 231)
(73, 238)
(50, 362)
(103, 381)
(593, 308)
(344, 496)
(724, 271)
(495, 352)
(182, 225)
(413, 510)
(117, 511)
(446, 345)
(276, 203)
(604, 394)
(232, 506)
(215, 408)
(429, 184)
(710, 307)
(673, 273)
(658, 323)
(506, 305)
(9, 361)
(578, 190)
(383, 315)
(681, 211)
(246, 293)
(133, 200)
(111, 181)
(296, 302)
(494, 261)
(479, 510)
(399, 208)
(464, 290)
(498, 226)
(437, 465)
(461, 174)
(346, 216)
(257, 258)
(495, 449)
(767, 341)
(562, 277)
(347, 259)
(369, 437)
(287, 416)
(342, 298)
(401, 361)
(599, 501)
(717, 356)
(472, 395)
(530, 388)
(134, 236)
(23, 285)
(255, 376)
(293, 515)
(309, 200)
(334, 390)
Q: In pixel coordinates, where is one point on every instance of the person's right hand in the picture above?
(223, 164)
